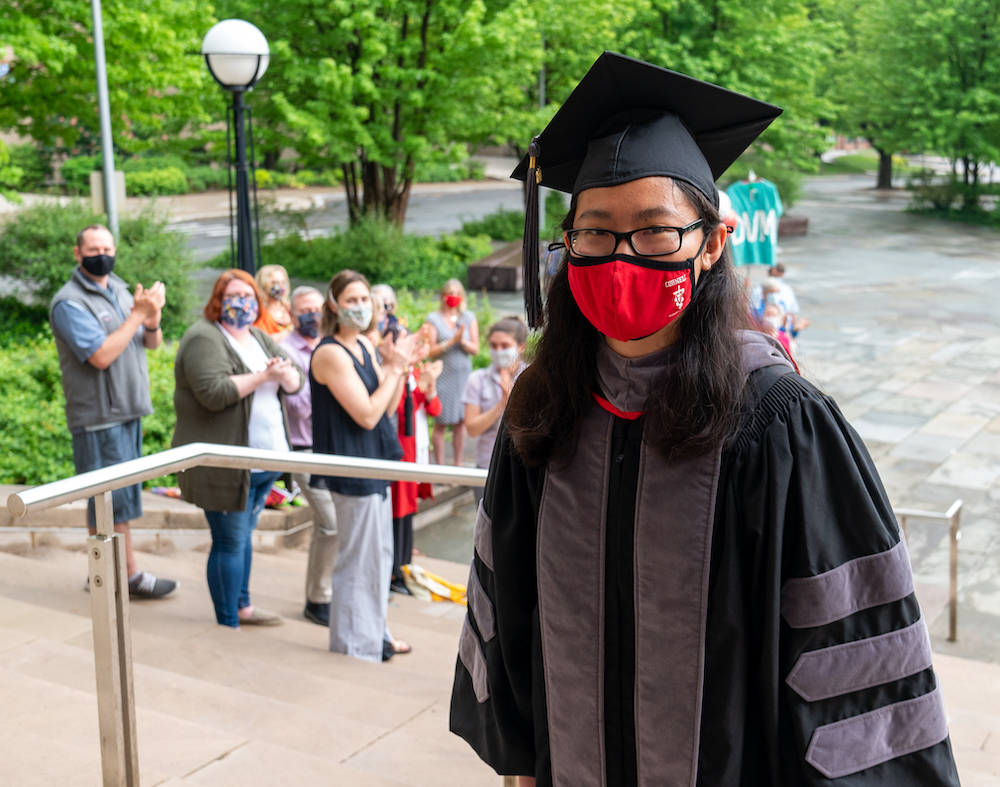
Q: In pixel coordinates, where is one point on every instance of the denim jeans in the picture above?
(232, 551)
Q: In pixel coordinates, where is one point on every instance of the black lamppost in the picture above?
(237, 55)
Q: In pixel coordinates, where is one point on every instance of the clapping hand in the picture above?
(280, 370)
(401, 353)
(149, 303)
(429, 372)
(506, 382)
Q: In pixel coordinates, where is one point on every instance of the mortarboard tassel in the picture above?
(529, 251)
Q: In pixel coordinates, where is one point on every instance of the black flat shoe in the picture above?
(397, 586)
(317, 613)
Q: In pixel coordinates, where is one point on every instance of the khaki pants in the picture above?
(324, 545)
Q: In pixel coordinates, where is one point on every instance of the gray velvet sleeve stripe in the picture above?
(471, 654)
(858, 584)
(829, 672)
(860, 742)
(484, 537)
(481, 606)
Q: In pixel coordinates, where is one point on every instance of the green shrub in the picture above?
(413, 308)
(20, 322)
(36, 247)
(503, 224)
(204, 178)
(156, 182)
(35, 166)
(508, 225)
(379, 250)
(154, 163)
(76, 172)
(328, 177)
(10, 175)
(265, 179)
(37, 444)
(443, 172)
(38, 448)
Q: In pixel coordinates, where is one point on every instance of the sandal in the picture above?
(400, 647)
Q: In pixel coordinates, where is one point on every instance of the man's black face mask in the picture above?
(98, 264)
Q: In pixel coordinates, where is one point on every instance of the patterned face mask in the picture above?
(277, 290)
(239, 311)
(309, 324)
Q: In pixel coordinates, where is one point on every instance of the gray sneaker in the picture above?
(147, 585)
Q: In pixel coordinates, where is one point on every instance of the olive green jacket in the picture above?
(209, 410)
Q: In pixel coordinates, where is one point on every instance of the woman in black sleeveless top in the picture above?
(352, 395)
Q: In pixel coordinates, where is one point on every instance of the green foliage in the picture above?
(502, 224)
(156, 87)
(379, 250)
(154, 163)
(853, 164)
(76, 172)
(156, 182)
(508, 225)
(37, 444)
(924, 75)
(413, 308)
(35, 166)
(329, 177)
(204, 178)
(36, 248)
(449, 173)
(860, 164)
(379, 88)
(10, 174)
(38, 448)
(788, 180)
(20, 322)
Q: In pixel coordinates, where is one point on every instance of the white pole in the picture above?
(104, 107)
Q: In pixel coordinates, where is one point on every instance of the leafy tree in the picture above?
(377, 87)
(924, 75)
(774, 50)
(156, 86)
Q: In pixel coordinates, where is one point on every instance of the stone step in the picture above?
(337, 720)
(264, 706)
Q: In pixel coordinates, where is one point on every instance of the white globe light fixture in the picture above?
(237, 56)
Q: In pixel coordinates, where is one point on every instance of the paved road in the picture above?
(906, 337)
(431, 212)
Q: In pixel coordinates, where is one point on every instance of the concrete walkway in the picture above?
(906, 338)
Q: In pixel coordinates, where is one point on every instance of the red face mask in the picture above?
(630, 298)
(452, 301)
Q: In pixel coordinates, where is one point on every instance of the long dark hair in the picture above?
(691, 411)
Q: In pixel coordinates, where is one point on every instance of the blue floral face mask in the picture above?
(309, 324)
(239, 311)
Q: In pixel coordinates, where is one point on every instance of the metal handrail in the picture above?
(953, 516)
(174, 460)
(109, 581)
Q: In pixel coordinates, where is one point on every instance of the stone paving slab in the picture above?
(906, 338)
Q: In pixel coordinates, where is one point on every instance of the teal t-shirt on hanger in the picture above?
(758, 207)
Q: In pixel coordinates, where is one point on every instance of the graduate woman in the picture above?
(686, 570)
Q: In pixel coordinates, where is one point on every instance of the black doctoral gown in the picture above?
(745, 619)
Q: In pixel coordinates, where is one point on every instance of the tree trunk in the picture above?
(271, 159)
(884, 169)
(381, 194)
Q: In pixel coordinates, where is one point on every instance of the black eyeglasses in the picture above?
(645, 242)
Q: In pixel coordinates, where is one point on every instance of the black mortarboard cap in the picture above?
(627, 119)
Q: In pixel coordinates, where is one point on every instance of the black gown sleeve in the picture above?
(840, 689)
(493, 706)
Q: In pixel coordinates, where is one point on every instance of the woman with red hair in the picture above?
(231, 381)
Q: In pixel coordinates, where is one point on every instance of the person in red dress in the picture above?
(420, 400)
